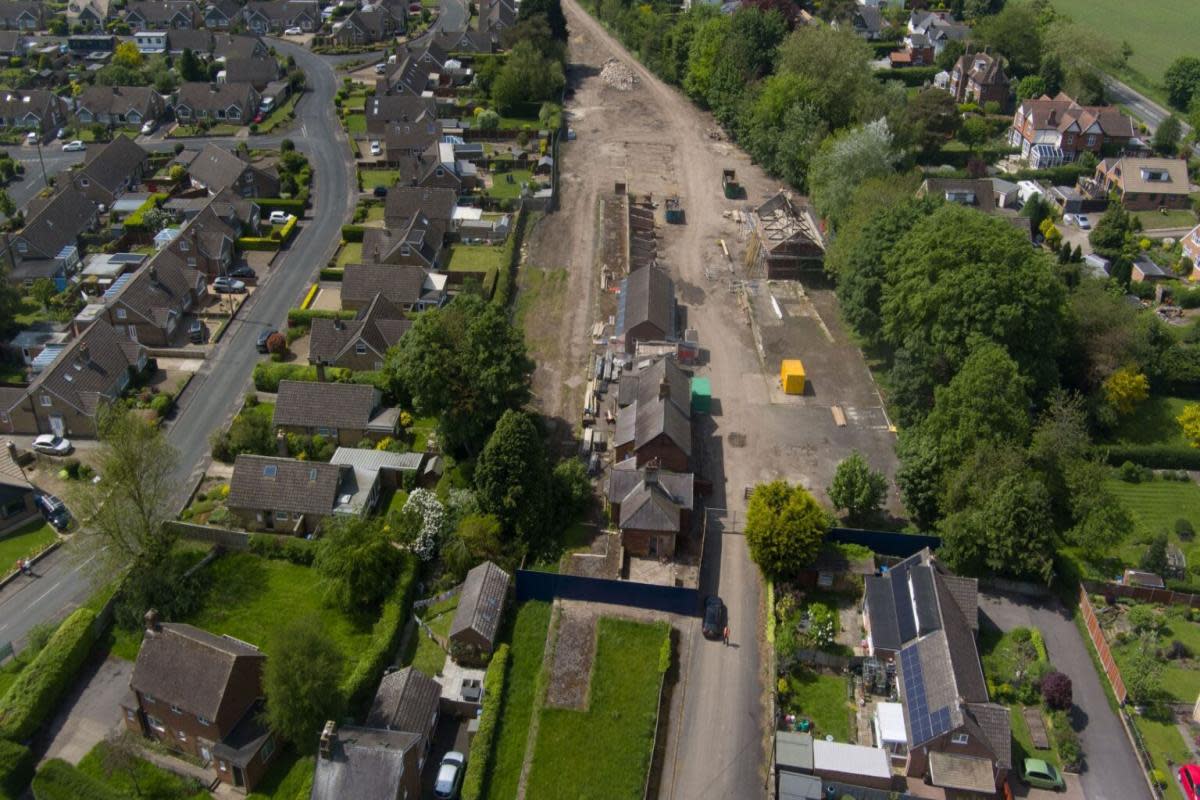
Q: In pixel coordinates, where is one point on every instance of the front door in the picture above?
(205, 753)
(57, 426)
(238, 778)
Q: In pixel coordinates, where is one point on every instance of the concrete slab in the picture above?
(92, 710)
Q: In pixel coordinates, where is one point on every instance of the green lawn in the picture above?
(1022, 743)
(422, 428)
(429, 656)
(1175, 218)
(477, 257)
(1158, 32)
(503, 189)
(1155, 505)
(350, 253)
(1180, 679)
(28, 540)
(1154, 422)
(30, 313)
(1163, 742)
(821, 699)
(144, 780)
(374, 214)
(605, 752)
(378, 177)
(355, 101)
(356, 124)
(280, 116)
(289, 778)
(528, 644)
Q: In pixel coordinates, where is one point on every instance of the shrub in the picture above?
(1133, 473)
(267, 375)
(1039, 645)
(58, 780)
(352, 233)
(283, 548)
(303, 317)
(36, 691)
(359, 687)
(16, 768)
(1056, 691)
(482, 745)
(161, 404)
(1178, 650)
(71, 467)
(1184, 530)
(1066, 741)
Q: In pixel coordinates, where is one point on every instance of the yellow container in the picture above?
(791, 376)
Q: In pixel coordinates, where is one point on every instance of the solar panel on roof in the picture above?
(925, 724)
(126, 258)
(118, 284)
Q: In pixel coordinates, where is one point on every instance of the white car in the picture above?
(279, 218)
(74, 146)
(1068, 219)
(293, 32)
(149, 127)
(376, 149)
(380, 68)
(31, 137)
(1083, 222)
(52, 445)
(449, 775)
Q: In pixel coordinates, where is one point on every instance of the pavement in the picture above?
(1111, 769)
(210, 399)
(91, 712)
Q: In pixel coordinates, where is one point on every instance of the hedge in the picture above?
(1065, 175)
(135, 221)
(31, 699)
(1155, 456)
(258, 243)
(16, 769)
(303, 317)
(353, 233)
(328, 274)
(909, 76)
(292, 205)
(58, 780)
(480, 761)
(288, 228)
(359, 687)
(283, 548)
(268, 374)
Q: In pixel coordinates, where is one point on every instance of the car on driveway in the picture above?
(74, 146)
(51, 445)
(55, 511)
(148, 127)
(379, 191)
(227, 285)
(1041, 775)
(1083, 222)
(196, 331)
(279, 217)
(261, 344)
(1189, 779)
(449, 776)
(31, 137)
(376, 149)
(714, 618)
(243, 271)
(293, 32)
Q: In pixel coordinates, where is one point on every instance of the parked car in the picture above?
(196, 332)
(279, 217)
(376, 149)
(55, 511)
(380, 68)
(1083, 222)
(74, 146)
(714, 618)
(243, 271)
(227, 285)
(1041, 775)
(31, 137)
(293, 32)
(380, 191)
(149, 127)
(261, 346)
(52, 445)
(449, 776)
(1189, 779)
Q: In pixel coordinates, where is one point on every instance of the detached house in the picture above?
(87, 14)
(275, 16)
(21, 15)
(496, 15)
(221, 14)
(206, 244)
(285, 494)
(654, 420)
(216, 169)
(111, 171)
(417, 242)
(1143, 184)
(868, 22)
(381, 110)
(468, 41)
(367, 25)
(405, 286)
(979, 78)
(53, 227)
(651, 506)
(1052, 131)
(118, 105)
(32, 110)
(361, 343)
(157, 15)
(345, 413)
(258, 71)
(201, 694)
(149, 305)
(216, 102)
(788, 239)
(367, 762)
(924, 619)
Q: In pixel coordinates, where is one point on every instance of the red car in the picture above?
(1189, 779)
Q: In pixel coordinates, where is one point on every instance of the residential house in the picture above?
(111, 170)
(14, 43)
(346, 413)
(367, 25)
(258, 71)
(231, 45)
(87, 14)
(405, 202)
(374, 472)
(646, 307)
(157, 15)
(977, 193)
(1191, 250)
(496, 15)
(413, 147)
(201, 694)
(22, 15)
(286, 495)
(654, 418)
(417, 242)
(221, 15)
(407, 700)
(275, 16)
(198, 40)
(32, 110)
(216, 169)
(18, 497)
(405, 286)
(66, 398)
(54, 226)
(924, 619)
(469, 41)
(215, 102)
(149, 305)
(206, 244)
(151, 42)
(118, 105)
(868, 22)
(382, 110)
(367, 762)
(934, 29)
(789, 241)
(1052, 131)
(1143, 184)
(416, 72)
(480, 608)
(361, 343)
(979, 78)
(241, 214)
(651, 506)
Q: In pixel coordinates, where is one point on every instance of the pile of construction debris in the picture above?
(617, 75)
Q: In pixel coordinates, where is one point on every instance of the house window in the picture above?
(129, 714)
(84, 182)
(183, 245)
(22, 246)
(176, 709)
(181, 736)
(120, 313)
(281, 516)
(46, 401)
(360, 349)
(156, 724)
(325, 431)
(203, 720)
(221, 765)
(959, 738)
(268, 748)
(191, 261)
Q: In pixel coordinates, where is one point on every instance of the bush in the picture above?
(16, 768)
(58, 780)
(267, 375)
(161, 404)
(359, 687)
(1066, 741)
(1056, 691)
(1133, 473)
(291, 205)
(283, 548)
(1184, 530)
(1039, 645)
(909, 76)
(258, 243)
(71, 467)
(32, 697)
(1155, 456)
(303, 317)
(352, 233)
(482, 746)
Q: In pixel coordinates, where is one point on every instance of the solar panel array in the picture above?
(926, 724)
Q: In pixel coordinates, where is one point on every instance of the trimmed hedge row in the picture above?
(331, 274)
(909, 76)
(1155, 456)
(32, 697)
(303, 317)
(16, 769)
(482, 747)
(353, 233)
(283, 548)
(258, 243)
(58, 780)
(1065, 175)
(268, 374)
(359, 687)
(293, 205)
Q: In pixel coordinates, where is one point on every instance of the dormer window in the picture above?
(121, 313)
(360, 349)
(1156, 175)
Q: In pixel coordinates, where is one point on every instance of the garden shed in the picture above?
(480, 606)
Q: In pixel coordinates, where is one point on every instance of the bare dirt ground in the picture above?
(571, 674)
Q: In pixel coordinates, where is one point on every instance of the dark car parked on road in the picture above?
(714, 618)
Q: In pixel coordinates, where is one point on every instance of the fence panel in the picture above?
(1097, 637)
(234, 540)
(546, 586)
(887, 543)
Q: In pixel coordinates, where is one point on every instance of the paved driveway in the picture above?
(92, 710)
(1111, 770)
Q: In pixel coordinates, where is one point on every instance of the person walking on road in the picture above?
(725, 636)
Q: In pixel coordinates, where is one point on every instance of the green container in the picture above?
(701, 395)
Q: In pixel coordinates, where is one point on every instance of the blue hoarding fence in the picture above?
(546, 586)
(886, 543)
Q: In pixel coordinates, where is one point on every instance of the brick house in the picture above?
(1143, 184)
(221, 14)
(234, 103)
(215, 169)
(201, 694)
(646, 307)
(651, 506)
(207, 244)
(382, 110)
(32, 110)
(1055, 130)
(111, 171)
(118, 105)
(50, 227)
(360, 344)
(150, 306)
(345, 413)
(654, 418)
(979, 78)
(286, 495)
(405, 286)
(275, 16)
(157, 15)
(87, 14)
(367, 25)
(419, 242)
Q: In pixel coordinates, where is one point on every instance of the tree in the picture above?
(570, 491)
(784, 528)
(7, 206)
(1143, 670)
(974, 131)
(511, 478)
(553, 13)
(932, 119)
(747, 54)
(857, 488)
(1056, 691)
(1051, 73)
(464, 363)
(127, 55)
(189, 66)
(1155, 558)
(838, 63)
(704, 52)
(1031, 87)
(951, 52)
(301, 680)
(1167, 136)
(527, 76)
(1015, 34)
(43, 291)
(1182, 81)
(1111, 234)
(1189, 420)
(845, 161)
(357, 563)
(478, 538)
(1125, 389)
(919, 477)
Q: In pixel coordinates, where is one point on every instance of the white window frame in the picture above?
(959, 738)
(121, 313)
(281, 516)
(155, 723)
(46, 401)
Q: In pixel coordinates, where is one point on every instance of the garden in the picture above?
(25, 543)
(428, 656)
(113, 769)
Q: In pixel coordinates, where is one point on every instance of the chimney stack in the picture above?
(328, 737)
(85, 354)
(650, 472)
(152, 625)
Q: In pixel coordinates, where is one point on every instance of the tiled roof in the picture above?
(59, 222)
(92, 367)
(379, 326)
(256, 71)
(406, 701)
(117, 99)
(111, 165)
(402, 285)
(211, 97)
(648, 295)
(312, 404)
(364, 762)
(11, 473)
(481, 602)
(403, 202)
(284, 484)
(216, 168)
(1061, 112)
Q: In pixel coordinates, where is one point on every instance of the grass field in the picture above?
(477, 257)
(378, 177)
(1180, 679)
(605, 752)
(429, 656)
(1166, 747)
(1159, 31)
(503, 189)
(28, 540)
(1175, 218)
(289, 778)
(144, 780)
(821, 699)
(356, 124)
(528, 644)
(1155, 506)
(350, 253)
(280, 116)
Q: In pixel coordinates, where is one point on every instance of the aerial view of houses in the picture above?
(564, 399)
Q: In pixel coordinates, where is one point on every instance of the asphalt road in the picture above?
(64, 579)
(1142, 107)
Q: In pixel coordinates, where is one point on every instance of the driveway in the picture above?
(92, 710)
(1111, 770)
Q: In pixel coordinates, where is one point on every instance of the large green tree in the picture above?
(747, 53)
(464, 363)
(528, 76)
(845, 161)
(512, 478)
(1014, 33)
(837, 62)
(857, 488)
(784, 528)
(552, 11)
(357, 563)
(1182, 81)
(704, 54)
(301, 680)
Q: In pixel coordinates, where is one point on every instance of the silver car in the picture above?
(449, 776)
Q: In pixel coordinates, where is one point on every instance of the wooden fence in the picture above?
(1143, 594)
(1106, 657)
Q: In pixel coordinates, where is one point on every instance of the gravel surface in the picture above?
(616, 74)
(573, 653)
